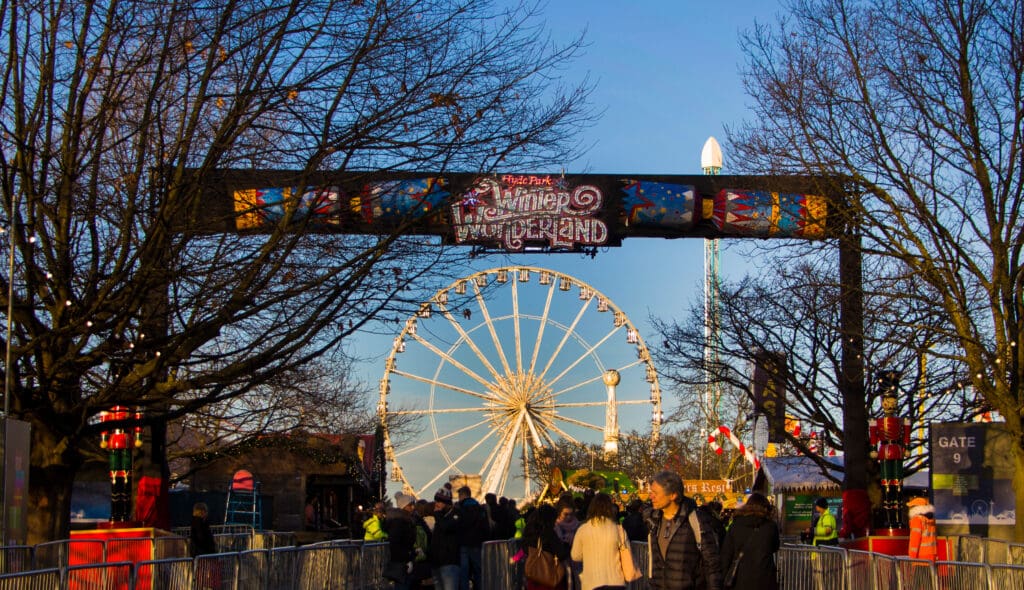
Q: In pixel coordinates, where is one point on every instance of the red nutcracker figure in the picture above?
(121, 444)
(891, 434)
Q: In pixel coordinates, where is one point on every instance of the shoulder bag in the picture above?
(543, 567)
(629, 571)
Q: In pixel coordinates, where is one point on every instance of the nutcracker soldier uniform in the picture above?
(120, 443)
(891, 435)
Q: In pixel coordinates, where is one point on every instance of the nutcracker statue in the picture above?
(891, 435)
(121, 444)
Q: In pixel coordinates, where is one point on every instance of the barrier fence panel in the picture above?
(164, 574)
(640, 559)
(996, 551)
(172, 547)
(371, 570)
(345, 559)
(42, 579)
(253, 569)
(858, 570)
(958, 575)
(811, 568)
(15, 558)
(282, 567)
(967, 548)
(62, 553)
(1015, 554)
(230, 529)
(100, 576)
(215, 571)
(918, 574)
(233, 542)
(886, 576)
(499, 572)
(271, 540)
(314, 569)
(1005, 577)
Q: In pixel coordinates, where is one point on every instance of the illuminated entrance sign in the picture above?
(523, 212)
(517, 211)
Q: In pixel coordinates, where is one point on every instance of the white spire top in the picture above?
(711, 157)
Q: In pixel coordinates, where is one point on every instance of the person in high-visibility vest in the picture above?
(923, 542)
(373, 527)
(826, 531)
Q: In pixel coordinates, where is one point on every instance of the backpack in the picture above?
(695, 525)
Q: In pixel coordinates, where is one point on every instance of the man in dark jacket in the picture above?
(444, 544)
(401, 531)
(471, 525)
(678, 561)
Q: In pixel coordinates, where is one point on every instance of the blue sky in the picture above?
(667, 76)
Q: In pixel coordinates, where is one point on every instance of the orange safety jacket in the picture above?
(923, 541)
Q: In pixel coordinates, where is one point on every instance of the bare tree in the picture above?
(118, 119)
(791, 307)
(921, 104)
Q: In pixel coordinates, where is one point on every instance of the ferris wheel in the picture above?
(503, 363)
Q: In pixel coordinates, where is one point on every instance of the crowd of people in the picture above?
(439, 544)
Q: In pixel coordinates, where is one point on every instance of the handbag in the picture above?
(629, 571)
(543, 567)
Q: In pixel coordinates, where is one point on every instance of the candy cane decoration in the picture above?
(713, 441)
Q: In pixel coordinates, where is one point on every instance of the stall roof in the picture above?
(802, 474)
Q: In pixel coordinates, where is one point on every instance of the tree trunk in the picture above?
(1018, 488)
(55, 463)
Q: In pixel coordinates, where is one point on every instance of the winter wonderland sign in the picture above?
(526, 209)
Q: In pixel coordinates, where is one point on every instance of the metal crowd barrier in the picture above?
(501, 572)
(352, 564)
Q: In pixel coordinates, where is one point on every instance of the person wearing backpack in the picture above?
(683, 552)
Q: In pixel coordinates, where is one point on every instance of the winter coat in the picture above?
(444, 544)
(757, 537)
(923, 542)
(636, 530)
(596, 545)
(685, 566)
(401, 532)
(201, 538)
(471, 522)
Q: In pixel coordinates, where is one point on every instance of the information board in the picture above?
(972, 474)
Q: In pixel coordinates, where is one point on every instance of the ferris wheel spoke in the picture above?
(500, 461)
(444, 385)
(454, 463)
(532, 428)
(540, 329)
(556, 394)
(434, 411)
(565, 337)
(599, 404)
(490, 328)
(583, 356)
(515, 324)
(468, 340)
(438, 439)
(451, 360)
(578, 422)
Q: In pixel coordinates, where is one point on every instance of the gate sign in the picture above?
(516, 212)
(972, 474)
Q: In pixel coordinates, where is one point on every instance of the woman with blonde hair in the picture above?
(596, 545)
